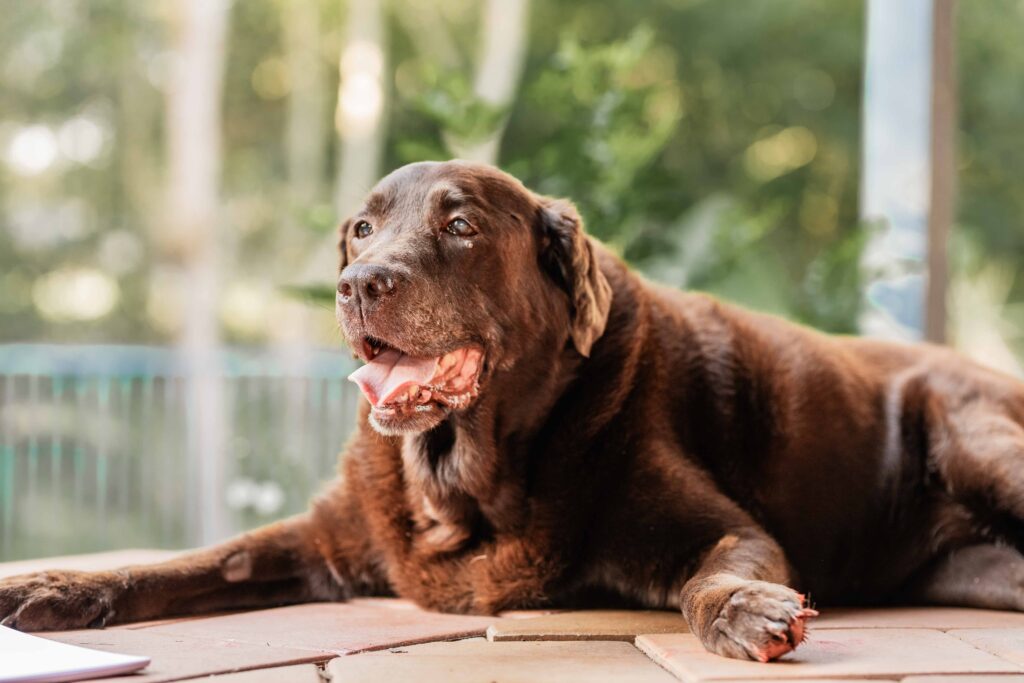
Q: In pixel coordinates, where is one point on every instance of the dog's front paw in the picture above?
(760, 621)
(59, 600)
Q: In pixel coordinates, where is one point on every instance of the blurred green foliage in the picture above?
(713, 143)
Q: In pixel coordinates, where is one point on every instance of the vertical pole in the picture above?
(943, 181)
(907, 170)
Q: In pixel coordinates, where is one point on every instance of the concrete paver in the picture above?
(1002, 642)
(340, 628)
(175, 657)
(839, 653)
(480, 661)
(306, 673)
(942, 618)
(622, 625)
(966, 678)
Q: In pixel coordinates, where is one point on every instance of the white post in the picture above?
(906, 184)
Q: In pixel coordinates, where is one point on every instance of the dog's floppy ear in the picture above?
(569, 257)
(343, 244)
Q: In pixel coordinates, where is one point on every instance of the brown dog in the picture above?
(545, 425)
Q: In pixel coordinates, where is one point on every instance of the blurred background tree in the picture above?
(713, 144)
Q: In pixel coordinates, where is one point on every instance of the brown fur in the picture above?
(628, 440)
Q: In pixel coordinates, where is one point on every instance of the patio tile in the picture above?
(478, 660)
(136, 625)
(401, 603)
(942, 618)
(837, 654)
(966, 678)
(622, 625)
(529, 613)
(1005, 643)
(175, 657)
(91, 562)
(306, 673)
(334, 627)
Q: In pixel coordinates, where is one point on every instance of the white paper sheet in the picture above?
(26, 658)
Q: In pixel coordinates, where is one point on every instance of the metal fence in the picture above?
(94, 444)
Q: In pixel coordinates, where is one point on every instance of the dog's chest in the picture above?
(442, 513)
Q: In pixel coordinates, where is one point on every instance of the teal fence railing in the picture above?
(94, 443)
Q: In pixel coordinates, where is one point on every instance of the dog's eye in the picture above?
(460, 227)
(363, 229)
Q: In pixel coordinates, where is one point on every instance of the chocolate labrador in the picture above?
(542, 426)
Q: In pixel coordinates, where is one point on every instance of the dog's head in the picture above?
(452, 273)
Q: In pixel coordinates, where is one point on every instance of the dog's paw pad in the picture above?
(763, 621)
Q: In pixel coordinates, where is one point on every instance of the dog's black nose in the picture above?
(369, 281)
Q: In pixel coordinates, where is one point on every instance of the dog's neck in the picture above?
(468, 473)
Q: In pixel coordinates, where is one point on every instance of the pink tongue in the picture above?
(391, 373)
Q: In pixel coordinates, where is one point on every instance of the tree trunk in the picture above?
(359, 119)
(502, 51)
(306, 142)
(305, 134)
(361, 101)
(194, 168)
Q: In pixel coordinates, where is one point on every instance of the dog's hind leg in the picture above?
(978, 451)
(989, 576)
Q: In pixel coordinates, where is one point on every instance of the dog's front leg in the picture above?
(738, 602)
(278, 564)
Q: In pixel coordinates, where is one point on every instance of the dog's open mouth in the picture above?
(396, 383)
